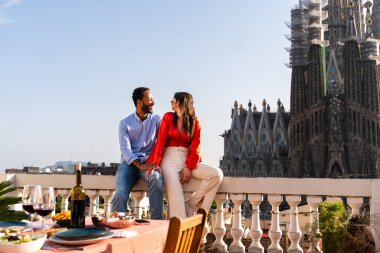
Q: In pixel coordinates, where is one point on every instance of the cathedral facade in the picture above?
(333, 127)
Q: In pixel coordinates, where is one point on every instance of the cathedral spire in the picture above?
(316, 17)
(336, 22)
(351, 32)
(264, 133)
(249, 146)
(370, 46)
(297, 25)
(279, 133)
(368, 20)
(235, 124)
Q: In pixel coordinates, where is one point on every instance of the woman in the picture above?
(178, 153)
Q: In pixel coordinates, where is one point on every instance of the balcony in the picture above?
(236, 190)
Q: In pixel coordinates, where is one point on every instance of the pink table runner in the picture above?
(150, 238)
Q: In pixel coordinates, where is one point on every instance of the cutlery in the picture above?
(60, 248)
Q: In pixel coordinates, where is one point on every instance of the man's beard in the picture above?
(147, 108)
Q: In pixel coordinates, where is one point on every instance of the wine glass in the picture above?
(27, 201)
(44, 202)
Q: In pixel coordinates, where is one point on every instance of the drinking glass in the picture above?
(28, 201)
(44, 202)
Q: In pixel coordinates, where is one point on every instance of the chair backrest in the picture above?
(185, 236)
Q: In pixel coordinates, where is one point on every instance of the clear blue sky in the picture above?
(68, 69)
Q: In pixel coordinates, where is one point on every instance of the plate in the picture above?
(13, 224)
(81, 242)
(81, 233)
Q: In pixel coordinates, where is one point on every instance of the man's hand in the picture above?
(151, 171)
(185, 175)
(147, 166)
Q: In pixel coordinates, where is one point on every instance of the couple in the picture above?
(166, 150)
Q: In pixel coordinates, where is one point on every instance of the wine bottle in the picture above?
(78, 201)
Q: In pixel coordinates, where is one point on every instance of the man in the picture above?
(137, 136)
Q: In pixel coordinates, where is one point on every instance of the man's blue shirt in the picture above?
(137, 138)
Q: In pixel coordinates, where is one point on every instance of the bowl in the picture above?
(112, 222)
(62, 223)
(26, 247)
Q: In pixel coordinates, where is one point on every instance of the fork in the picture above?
(60, 248)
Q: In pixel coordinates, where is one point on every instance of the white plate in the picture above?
(81, 242)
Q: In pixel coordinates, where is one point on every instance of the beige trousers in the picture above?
(173, 162)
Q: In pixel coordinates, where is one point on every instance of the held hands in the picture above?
(185, 175)
(150, 168)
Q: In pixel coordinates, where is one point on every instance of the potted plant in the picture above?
(6, 201)
(360, 238)
(340, 231)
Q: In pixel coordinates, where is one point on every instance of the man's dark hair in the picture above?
(138, 93)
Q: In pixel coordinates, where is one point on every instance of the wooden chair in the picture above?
(185, 236)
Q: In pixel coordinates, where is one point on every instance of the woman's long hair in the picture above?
(185, 102)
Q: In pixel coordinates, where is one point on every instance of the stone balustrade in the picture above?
(237, 190)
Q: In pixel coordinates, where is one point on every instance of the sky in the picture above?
(68, 69)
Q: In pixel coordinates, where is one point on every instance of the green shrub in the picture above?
(333, 220)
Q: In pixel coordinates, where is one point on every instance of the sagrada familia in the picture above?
(333, 127)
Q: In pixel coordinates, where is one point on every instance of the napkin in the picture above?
(123, 233)
(39, 225)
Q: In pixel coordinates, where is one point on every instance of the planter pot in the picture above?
(360, 239)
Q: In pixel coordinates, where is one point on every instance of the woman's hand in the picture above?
(185, 175)
(152, 170)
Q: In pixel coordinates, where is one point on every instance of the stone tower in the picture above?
(335, 134)
(333, 128)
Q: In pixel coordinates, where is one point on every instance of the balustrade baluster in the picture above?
(355, 203)
(237, 229)
(107, 196)
(220, 228)
(314, 202)
(256, 231)
(137, 197)
(294, 233)
(275, 231)
(65, 194)
(17, 193)
(93, 195)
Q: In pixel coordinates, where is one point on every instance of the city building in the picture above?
(100, 169)
(333, 127)
(26, 169)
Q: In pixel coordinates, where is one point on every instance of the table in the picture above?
(151, 238)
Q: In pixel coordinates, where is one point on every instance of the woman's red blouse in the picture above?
(168, 136)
